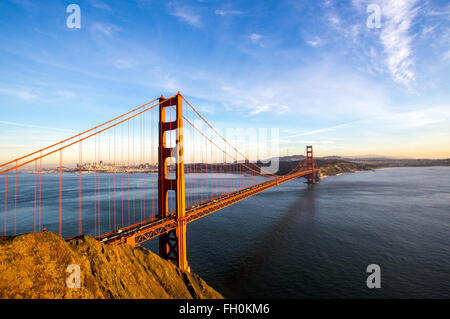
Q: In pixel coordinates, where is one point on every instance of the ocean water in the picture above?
(300, 241)
(292, 241)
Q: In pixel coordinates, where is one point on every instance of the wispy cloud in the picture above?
(228, 12)
(427, 30)
(65, 94)
(344, 28)
(322, 130)
(417, 118)
(23, 94)
(446, 56)
(314, 42)
(36, 126)
(442, 12)
(396, 38)
(100, 5)
(124, 63)
(105, 29)
(255, 37)
(27, 4)
(334, 20)
(269, 107)
(324, 94)
(260, 40)
(185, 13)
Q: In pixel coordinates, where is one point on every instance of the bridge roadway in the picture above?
(154, 227)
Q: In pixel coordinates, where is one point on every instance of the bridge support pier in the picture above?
(172, 245)
(311, 178)
(131, 241)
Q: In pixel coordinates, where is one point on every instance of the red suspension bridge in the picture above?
(143, 174)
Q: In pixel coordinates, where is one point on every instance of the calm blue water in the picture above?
(293, 241)
(296, 241)
(135, 199)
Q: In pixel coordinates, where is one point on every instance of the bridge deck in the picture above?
(154, 227)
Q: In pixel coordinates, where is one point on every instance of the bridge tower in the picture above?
(311, 178)
(172, 245)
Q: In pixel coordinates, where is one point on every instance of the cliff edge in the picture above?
(35, 266)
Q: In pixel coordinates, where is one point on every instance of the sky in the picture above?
(321, 72)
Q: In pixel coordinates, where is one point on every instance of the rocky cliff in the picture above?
(35, 266)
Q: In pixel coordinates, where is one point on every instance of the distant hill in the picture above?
(400, 162)
(34, 266)
(376, 160)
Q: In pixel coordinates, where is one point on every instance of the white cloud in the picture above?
(312, 91)
(124, 63)
(441, 12)
(260, 40)
(21, 93)
(185, 13)
(65, 94)
(105, 29)
(322, 130)
(314, 42)
(342, 26)
(268, 107)
(416, 118)
(334, 20)
(427, 30)
(446, 56)
(100, 5)
(255, 37)
(35, 126)
(228, 12)
(396, 38)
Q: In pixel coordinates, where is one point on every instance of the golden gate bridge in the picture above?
(151, 171)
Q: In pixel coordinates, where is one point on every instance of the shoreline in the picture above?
(323, 176)
(375, 169)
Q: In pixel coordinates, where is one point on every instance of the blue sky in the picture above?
(313, 69)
